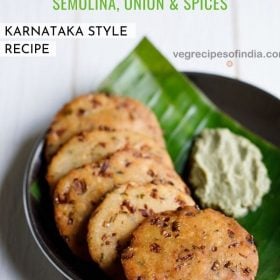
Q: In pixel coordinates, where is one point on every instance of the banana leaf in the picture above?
(183, 111)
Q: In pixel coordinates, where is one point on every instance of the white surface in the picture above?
(32, 89)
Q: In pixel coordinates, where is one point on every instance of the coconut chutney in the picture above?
(227, 172)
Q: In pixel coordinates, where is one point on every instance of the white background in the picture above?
(32, 89)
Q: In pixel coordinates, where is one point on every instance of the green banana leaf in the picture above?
(183, 112)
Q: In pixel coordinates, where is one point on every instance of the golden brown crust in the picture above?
(121, 212)
(100, 112)
(92, 146)
(190, 244)
(80, 191)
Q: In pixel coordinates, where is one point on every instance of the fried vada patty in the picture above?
(100, 112)
(89, 147)
(190, 244)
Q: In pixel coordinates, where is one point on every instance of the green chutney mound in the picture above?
(227, 172)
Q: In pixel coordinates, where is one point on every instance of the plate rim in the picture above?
(50, 256)
(240, 81)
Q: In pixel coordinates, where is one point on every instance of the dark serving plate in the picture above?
(251, 106)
